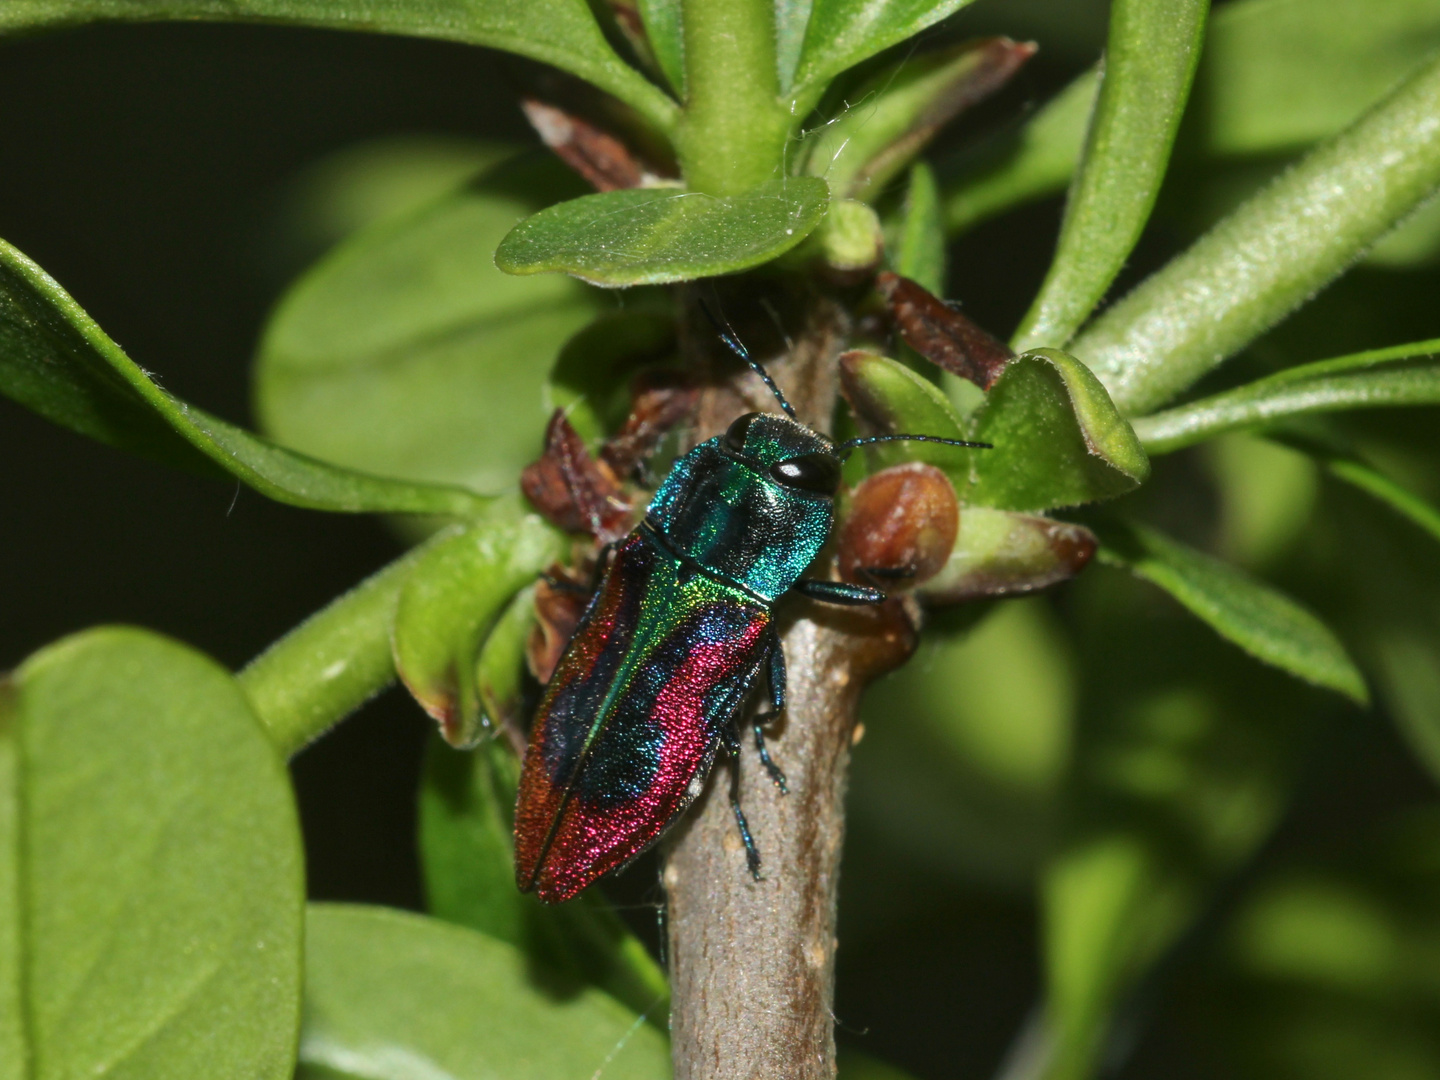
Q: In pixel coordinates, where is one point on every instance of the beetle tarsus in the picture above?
(777, 774)
(838, 592)
(752, 853)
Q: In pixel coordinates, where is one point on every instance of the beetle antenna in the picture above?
(844, 449)
(727, 335)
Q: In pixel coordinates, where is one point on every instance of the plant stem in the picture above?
(1272, 254)
(733, 135)
(331, 664)
(752, 964)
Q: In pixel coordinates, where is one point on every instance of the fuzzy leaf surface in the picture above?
(406, 349)
(1059, 440)
(1261, 620)
(1149, 65)
(55, 360)
(150, 857)
(559, 32)
(652, 236)
(841, 33)
(388, 993)
(1271, 254)
(1403, 375)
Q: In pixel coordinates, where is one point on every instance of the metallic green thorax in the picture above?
(725, 512)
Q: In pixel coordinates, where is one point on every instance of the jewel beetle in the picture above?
(651, 684)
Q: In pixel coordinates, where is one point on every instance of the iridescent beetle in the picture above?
(652, 682)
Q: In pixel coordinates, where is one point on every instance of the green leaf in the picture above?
(1393, 494)
(650, 236)
(450, 599)
(406, 350)
(1271, 254)
(1153, 50)
(1264, 622)
(892, 399)
(559, 32)
(1019, 165)
(901, 109)
(841, 33)
(999, 553)
(151, 864)
(663, 29)
(917, 245)
(500, 667)
(466, 815)
(55, 360)
(791, 18)
(1402, 375)
(395, 996)
(1058, 439)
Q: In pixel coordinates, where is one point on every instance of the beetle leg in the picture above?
(752, 853)
(837, 592)
(776, 663)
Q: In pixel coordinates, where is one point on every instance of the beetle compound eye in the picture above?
(735, 434)
(810, 472)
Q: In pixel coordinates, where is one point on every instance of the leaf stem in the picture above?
(733, 134)
(332, 663)
(1272, 254)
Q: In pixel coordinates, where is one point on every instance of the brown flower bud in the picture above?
(900, 527)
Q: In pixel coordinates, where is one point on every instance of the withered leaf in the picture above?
(941, 334)
(658, 401)
(572, 490)
(592, 152)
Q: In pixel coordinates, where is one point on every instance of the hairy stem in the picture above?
(752, 964)
(331, 664)
(734, 130)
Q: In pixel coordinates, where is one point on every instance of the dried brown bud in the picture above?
(900, 527)
(658, 401)
(595, 154)
(572, 490)
(559, 602)
(941, 334)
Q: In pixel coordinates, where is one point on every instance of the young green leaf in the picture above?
(1149, 64)
(999, 553)
(55, 360)
(500, 667)
(388, 994)
(1261, 620)
(916, 245)
(559, 32)
(890, 398)
(1271, 254)
(1401, 375)
(649, 236)
(662, 28)
(404, 349)
(467, 855)
(1393, 494)
(451, 597)
(1020, 164)
(841, 33)
(895, 114)
(1058, 439)
(150, 853)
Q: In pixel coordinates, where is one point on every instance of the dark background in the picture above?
(142, 167)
